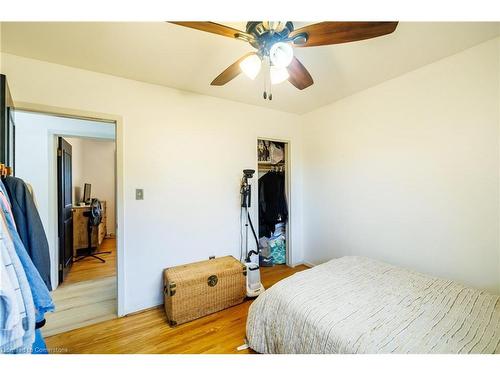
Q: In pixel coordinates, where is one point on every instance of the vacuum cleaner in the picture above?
(254, 285)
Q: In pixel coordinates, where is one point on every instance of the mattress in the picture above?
(359, 305)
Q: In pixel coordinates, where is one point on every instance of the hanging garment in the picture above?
(32, 193)
(41, 295)
(5, 203)
(24, 300)
(12, 310)
(272, 202)
(277, 153)
(29, 226)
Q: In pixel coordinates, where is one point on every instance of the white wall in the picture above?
(408, 171)
(94, 163)
(36, 163)
(186, 151)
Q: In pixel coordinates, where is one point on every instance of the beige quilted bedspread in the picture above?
(358, 305)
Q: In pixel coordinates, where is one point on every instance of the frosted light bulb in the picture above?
(281, 54)
(251, 66)
(278, 75)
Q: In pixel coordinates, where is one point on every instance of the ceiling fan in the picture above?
(274, 42)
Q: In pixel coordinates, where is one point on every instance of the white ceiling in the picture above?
(175, 56)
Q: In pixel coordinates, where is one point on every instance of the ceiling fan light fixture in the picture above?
(251, 66)
(278, 75)
(273, 41)
(281, 54)
(277, 26)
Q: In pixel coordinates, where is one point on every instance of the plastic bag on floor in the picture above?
(278, 250)
(264, 246)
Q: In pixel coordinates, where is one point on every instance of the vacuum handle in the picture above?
(253, 231)
(250, 253)
(246, 196)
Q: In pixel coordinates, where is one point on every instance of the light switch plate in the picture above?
(139, 194)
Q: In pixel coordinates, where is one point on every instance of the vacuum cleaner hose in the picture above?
(256, 240)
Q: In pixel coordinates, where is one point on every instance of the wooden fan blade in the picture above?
(231, 72)
(299, 76)
(324, 33)
(214, 28)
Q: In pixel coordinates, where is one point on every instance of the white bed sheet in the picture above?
(359, 305)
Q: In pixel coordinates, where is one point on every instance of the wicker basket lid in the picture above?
(217, 266)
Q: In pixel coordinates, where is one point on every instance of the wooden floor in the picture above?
(91, 268)
(81, 304)
(87, 296)
(148, 331)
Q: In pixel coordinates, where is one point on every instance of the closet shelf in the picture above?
(267, 166)
(270, 163)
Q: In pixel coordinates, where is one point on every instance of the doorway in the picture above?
(58, 156)
(273, 197)
(86, 198)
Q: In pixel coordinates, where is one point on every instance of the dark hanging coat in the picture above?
(29, 226)
(272, 202)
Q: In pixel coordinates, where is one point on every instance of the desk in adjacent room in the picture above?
(80, 239)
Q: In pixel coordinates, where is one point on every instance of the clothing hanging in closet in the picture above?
(272, 202)
(24, 295)
(29, 226)
(17, 312)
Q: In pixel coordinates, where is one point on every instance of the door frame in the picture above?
(117, 120)
(290, 262)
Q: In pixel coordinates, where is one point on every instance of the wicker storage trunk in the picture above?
(202, 288)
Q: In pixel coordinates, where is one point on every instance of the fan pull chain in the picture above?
(264, 80)
(267, 94)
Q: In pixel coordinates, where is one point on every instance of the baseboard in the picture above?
(143, 310)
(308, 264)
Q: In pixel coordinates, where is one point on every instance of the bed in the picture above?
(359, 305)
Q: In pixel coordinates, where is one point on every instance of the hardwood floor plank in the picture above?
(81, 304)
(91, 268)
(87, 296)
(148, 331)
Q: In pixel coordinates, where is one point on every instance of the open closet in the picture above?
(273, 202)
